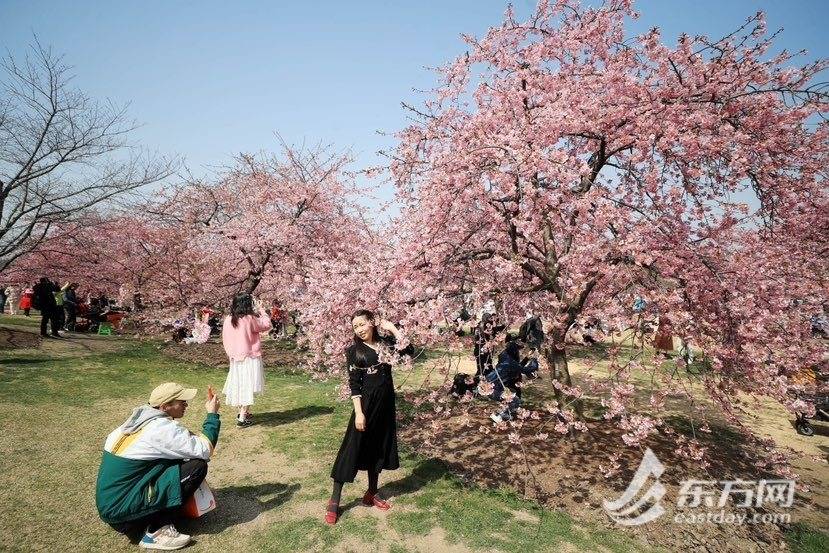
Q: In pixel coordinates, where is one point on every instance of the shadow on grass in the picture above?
(425, 472)
(820, 427)
(601, 351)
(25, 360)
(240, 504)
(234, 505)
(277, 418)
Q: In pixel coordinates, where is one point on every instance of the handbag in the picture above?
(200, 503)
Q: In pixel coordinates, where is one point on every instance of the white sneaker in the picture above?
(496, 418)
(166, 538)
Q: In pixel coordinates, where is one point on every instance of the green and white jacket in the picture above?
(139, 473)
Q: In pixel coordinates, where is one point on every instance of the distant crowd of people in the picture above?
(61, 308)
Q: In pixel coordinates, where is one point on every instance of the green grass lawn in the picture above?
(58, 402)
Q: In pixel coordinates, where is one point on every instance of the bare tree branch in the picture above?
(61, 152)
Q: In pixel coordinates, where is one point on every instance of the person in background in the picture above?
(2, 299)
(483, 335)
(819, 322)
(136, 301)
(277, 319)
(211, 317)
(532, 332)
(26, 299)
(13, 298)
(508, 374)
(44, 300)
(70, 306)
(94, 314)
(60, 318)
(241, 339)
(152, 465)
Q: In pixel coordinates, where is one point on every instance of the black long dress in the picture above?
(375, 448)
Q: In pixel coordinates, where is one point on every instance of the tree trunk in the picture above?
(251, 284)
(556, 354)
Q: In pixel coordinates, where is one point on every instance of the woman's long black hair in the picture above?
(359, 354)
(242, 305)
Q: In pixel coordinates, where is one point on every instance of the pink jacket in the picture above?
(243, 341)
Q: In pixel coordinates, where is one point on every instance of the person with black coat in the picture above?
(370, 441)
(44, 301)
(508, 374)
(70, 305)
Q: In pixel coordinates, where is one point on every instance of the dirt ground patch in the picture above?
(213, 354)
(11, 338)
(14, 337)
(563, 473)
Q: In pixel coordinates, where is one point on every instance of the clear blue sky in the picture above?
(209, 79)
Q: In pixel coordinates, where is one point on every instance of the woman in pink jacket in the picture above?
(240, 336)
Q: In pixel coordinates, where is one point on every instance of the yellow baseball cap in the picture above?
(170, 391)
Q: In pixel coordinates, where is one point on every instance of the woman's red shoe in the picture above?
(332, 516)
(371, 499)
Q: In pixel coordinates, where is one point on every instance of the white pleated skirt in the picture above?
(244, 379)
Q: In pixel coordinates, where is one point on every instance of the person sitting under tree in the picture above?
(507, 376)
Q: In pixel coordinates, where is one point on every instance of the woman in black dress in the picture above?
(370, 441)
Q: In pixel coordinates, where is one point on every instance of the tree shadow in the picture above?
(597, 351)
(277, 418)
(426, 471)
(239, 504)
(25, 360)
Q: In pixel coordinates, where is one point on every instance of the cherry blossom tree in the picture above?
(112, 252)
(284, 227)
(562, 169)
(566, 169)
